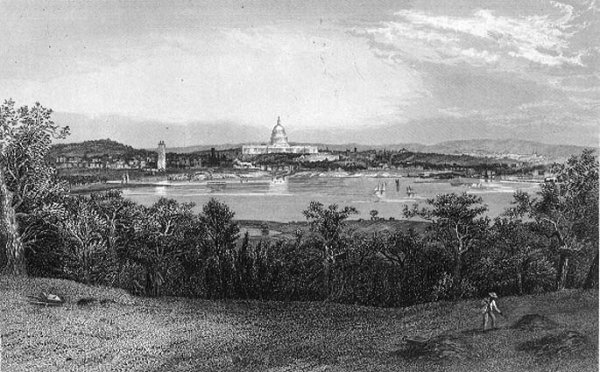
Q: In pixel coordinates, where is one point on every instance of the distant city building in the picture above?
(312, 158)
(238, 164)
(279, 144)
(161, 164)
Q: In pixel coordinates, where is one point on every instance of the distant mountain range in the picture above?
(503, 146)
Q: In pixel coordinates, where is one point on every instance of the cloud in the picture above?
(483, 36)
(474, 54)
(320, 65)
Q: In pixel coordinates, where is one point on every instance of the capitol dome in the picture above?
(278, 136)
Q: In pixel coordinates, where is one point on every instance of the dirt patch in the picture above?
(532, 322)
(445, 347)
(560, 344)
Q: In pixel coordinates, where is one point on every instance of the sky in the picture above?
(344, 70)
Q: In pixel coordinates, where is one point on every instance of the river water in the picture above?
(285, 201)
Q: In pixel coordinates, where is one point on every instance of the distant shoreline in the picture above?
(99, 187)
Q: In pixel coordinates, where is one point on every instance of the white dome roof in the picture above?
(278, 136)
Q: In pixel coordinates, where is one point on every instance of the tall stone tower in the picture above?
(161, 164)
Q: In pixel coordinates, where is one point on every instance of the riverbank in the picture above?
(101, 329)
(287, 230)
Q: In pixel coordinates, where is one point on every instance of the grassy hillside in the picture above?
(121, 333)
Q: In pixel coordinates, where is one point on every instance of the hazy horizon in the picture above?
(126, 130)
(336, 71)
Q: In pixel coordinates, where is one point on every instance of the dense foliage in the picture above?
(167, 249)
(26, 180)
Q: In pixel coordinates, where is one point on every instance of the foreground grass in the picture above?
(119, 332)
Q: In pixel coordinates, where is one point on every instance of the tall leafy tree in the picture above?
(567, 210)
(164, 232)
(221, 231)
(408, 252)
(26, 134)
(119, 214)
(93, 234)
(84, 245)
(219, 235)
(329, 224)
(514, 258)
(457, 223)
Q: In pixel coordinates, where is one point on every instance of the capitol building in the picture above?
(278, 145)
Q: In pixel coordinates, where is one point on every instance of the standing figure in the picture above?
(489, 308)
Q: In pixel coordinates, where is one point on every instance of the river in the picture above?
(285, 201)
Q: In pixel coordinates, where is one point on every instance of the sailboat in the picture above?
(380, 190)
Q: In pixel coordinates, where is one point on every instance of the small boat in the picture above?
(380, 190)
(410, 192)
(278, 180)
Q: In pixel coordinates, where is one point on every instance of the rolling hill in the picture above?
(101, 329)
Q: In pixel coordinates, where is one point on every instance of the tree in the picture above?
(457, 224)
(25, 178)
(163, 233)
(84, 245)
(567, 210)
(407, 252)
(93, 234)
(219, 235)
(374, 215)
(221, 232)
(119, 214)
(329, 224)
(514, 258)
